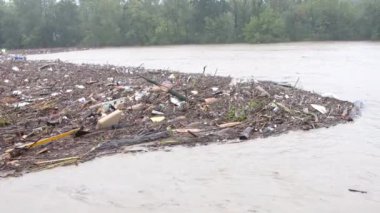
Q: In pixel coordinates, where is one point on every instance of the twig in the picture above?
(171, 91)
(192, 134)
(58, 160)
(216, 72)
(46, 66)
(359, 191)
(295, 85)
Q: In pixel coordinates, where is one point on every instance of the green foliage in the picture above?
(100, 22)
(242, 11)
(219, 29)
(236, 114)
(67, 20)
(4, 122)
(10, 33)
(267, 27)
(204, 10)
(140, 20)
(254, 105)
(52, 23)
(173, 26)
(241, 113)
(322, 20)
(369, 21)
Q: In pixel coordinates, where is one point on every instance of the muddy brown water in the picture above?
(298, 172)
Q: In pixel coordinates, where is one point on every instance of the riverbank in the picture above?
(44, 50)
(55, 114)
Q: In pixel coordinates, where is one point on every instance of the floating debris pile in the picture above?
(54, 113)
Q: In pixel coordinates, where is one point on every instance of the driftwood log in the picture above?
(246, 134)
(139, 139)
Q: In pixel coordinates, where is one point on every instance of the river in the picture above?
(297, 172)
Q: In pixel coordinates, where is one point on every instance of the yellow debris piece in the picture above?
(54, 138)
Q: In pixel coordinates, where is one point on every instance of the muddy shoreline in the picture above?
(51, 112)
(45, 50)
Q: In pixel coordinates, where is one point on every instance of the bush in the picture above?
(267, 27)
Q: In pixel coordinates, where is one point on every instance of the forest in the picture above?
(94, 23)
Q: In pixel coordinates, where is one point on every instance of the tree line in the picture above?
(52, 23)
